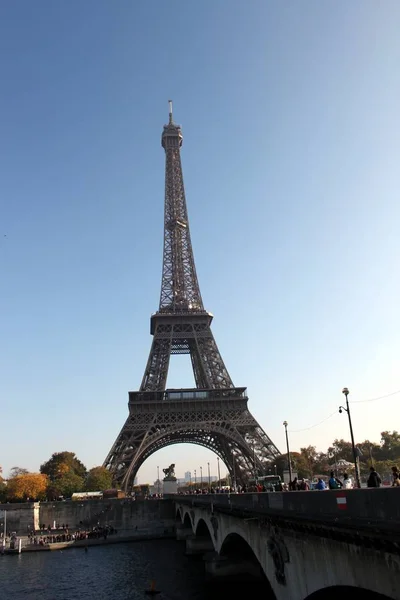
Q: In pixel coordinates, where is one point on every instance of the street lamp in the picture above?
(201, 478)
(285, 424)
(276, 472)
(346, 392)
(195, 478)
(158, 480)
(209, 477)
(219, 474)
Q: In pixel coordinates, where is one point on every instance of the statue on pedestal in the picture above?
(169, 473)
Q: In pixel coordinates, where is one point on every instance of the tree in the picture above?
(340, 449)
(280, 464)
(98, 479)
(62, 463)
(27, 485)
(300, 465)
(17, 471)
(309, 459)
(384, 468)
(65, 486)
(321, 464)
(3, 490)
(390, 445)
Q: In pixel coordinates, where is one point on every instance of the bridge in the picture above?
(301, 545)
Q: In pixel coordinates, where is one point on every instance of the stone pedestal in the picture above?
(198, 545)
(170, 486)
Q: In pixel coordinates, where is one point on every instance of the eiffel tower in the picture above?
(215, 413)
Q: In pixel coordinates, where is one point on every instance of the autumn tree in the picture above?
(98, 479)
(30, 486)
(62, 463)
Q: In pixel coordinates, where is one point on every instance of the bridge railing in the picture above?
(373, 508)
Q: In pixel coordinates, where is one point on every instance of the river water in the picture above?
(112, 572)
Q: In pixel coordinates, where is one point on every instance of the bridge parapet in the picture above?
(377, 508)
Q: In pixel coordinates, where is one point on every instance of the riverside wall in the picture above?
(21, 517)
(151, 517)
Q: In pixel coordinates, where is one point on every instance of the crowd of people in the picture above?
(65, 535)
(334, 482)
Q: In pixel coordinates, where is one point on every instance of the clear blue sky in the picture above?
(290, 115)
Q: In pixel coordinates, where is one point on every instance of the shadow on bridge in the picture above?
(342, 591)
(236, 571)
(252, 578)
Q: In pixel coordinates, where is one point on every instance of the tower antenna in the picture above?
(170, 110)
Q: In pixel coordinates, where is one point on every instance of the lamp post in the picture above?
(201, 478)
(254, 462)
(219, 474)
(233, 472)
(276, 472)
(195, 478)
(335, 454)
(209, 477)
(285, 424)
(158, 480)
(346, 392)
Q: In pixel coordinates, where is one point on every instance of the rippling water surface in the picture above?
(113, 572)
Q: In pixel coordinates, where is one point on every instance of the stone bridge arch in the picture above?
(187, 521)
(203, 529)
(178, 515)
(244, 561)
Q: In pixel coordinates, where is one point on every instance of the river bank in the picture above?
(87, 543)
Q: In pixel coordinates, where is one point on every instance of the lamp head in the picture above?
(340, 409)
(285, 423)
(345, 391)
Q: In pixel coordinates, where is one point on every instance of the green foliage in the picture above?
(390, 446)
(340, 449)
(98, 479)
(68, 484)
(281, 464)
(62, 463)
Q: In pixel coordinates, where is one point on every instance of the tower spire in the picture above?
(170, 111)
(180, 290)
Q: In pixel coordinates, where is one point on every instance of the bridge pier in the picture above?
(182, 533)
(198, 545)
(223, 567)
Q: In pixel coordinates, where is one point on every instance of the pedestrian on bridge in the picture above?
(373, 480)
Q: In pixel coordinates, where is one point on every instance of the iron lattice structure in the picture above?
(215, 413)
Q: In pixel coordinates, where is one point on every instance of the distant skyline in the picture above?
(290, 157)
